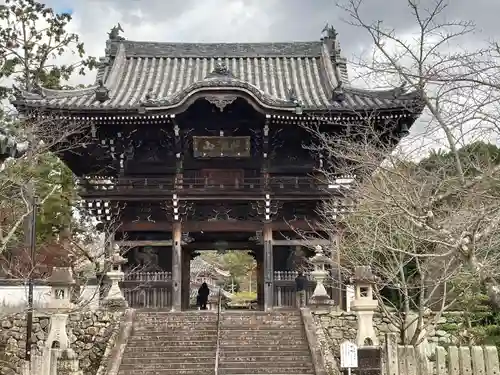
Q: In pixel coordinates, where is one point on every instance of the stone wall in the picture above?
(89, 332)
(340, 326)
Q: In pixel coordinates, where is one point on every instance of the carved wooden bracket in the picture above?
(221, 101)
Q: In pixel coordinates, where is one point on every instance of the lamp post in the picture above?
(32, 248)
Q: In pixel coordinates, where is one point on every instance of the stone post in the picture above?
(115, 298)
(364, 305)
(320, 295)
(68, 364)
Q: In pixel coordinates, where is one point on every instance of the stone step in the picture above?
(154, 336)
(202, 351)
(263, 353)
(262, 341)
(165, 351)
(265, 370)
(201, 371)
(178, 343)
(260, 318)
(155, 365)
(184, 315)
(264, 364)
(247, 358)
(169, 326)
(239, 346)
(177, 320)
(264, 323)
(162, 358)
(264, 316)
(233, 333)
(173, 323)
(290, 312)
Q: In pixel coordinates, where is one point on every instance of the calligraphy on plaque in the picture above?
(221, 147)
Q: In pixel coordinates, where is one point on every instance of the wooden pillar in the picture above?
(176, 267)
(186, 278)
(267, 235)
(259, 274)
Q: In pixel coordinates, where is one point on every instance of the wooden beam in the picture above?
(215, 226)
(301, 242)
(231, 245)
(165, 243)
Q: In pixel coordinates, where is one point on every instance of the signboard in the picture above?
(348, 355)
(220, 147)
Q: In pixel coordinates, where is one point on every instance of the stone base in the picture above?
(115, 304)
(321, 301)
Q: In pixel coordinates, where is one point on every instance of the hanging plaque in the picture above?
(221, 147)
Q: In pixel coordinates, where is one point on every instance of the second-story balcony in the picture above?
(156, 188)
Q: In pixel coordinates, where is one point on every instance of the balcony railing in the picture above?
(162, 185)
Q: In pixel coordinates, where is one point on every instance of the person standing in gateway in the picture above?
(203, 294)
(300, 287)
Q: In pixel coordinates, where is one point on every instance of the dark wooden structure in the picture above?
(200, 146)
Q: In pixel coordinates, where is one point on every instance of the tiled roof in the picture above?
(199, 265)
(278, 75)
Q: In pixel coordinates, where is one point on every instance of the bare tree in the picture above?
(427, 228)
(52, 135)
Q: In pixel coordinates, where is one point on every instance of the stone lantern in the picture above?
(319, 261)
(115, 297)
(364, 305)
(61, 282)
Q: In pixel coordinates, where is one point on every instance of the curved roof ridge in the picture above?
(46, 93)
(116, 68)
(400, 91)
(328, 68)
(219, 81)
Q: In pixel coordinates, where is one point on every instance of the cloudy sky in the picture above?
(251, 20)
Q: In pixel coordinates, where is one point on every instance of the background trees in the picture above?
(427, 218)
(33, 38)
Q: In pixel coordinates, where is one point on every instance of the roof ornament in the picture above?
(114, 33)
(101, 92)
(150, 96)
(400, 90)
(292, 95)
(338, 94)
(220, 70)
(330, 32)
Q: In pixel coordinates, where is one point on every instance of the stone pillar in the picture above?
(320, 295)
(67, 363)
(186, 278)
(176, 266)
(115, 298)
(268, 288)
(364, 305)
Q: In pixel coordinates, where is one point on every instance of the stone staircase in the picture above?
(165, 343)
(258, 343)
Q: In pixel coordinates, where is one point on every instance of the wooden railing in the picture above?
(154, 289)
(148, 289)
(288, 184)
